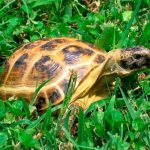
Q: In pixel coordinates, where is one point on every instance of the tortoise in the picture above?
(56, 58)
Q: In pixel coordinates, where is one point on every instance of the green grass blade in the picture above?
(111, 104)
(129, 107)
(48, 118)
(56, 108)
(41, 3)
(71, 139)
(51, 138)
(7, 5)
(69, 92)
(26, 8)
(70, 88)
(66, 120)
(126, 32)
(38, 89)
(96, 105)
(26, 108)
(20, 122)
(35, 123)
(81, 126)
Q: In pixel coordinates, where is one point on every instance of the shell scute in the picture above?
(21, 61)
(48, 67)
(40, 63)
(75, 54)
(15, 75)
(82, 71)
(50, 45)
(54, 96)
(44, 68)
(99, 59)
(41, 101)
(31, 45)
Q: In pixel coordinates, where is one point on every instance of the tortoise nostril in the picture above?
(137, 56)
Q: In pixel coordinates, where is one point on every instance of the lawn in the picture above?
(119, 122)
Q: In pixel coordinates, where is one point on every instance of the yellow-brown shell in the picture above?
(52, 58)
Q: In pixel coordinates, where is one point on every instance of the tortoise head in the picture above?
(134, 58)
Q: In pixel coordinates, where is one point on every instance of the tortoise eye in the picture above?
(137, 56)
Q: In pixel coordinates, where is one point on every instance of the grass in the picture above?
(119, 122)
(113, 123)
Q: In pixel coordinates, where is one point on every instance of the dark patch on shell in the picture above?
(31, 45)
(99, 59)
(44, 59)
(58, 40)
(28, 46)
(40, 102)
(64, 85)
(6, 66)
(21, 60)
(48, 46)
(54, 96)
(73, 53)
(51, 44)
(50, 69)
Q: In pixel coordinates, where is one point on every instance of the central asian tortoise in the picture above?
(55, 58)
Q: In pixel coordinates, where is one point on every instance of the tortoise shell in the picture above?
(40, 60)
